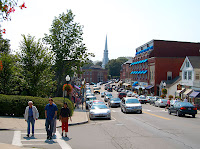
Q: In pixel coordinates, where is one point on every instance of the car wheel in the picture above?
(178, 113)
(169, 112)
(139, 112)
(121, 110)
(193, 115)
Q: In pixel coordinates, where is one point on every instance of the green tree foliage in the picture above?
(66, 41)
(88, 64)
(36, 64)
(4, 45)
(99, 63)
(114, 66)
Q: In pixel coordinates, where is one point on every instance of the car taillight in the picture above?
(161, 101)
(183, 108)
(194, 108)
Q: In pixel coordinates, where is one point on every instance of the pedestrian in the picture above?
(185, 100)
(31, 114)
(50, 115)
(168, 104)
(64, 115)
(178, 99)
(54, 125)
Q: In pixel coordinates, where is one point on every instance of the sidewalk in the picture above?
(15, 123)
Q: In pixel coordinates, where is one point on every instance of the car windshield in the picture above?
(92, 98)
(100, 106)
(164, 100)
(122, 93)
(132, 101)
(142, 97)
(115, 99)
(130, 93)
(109, 95)
(184, 104)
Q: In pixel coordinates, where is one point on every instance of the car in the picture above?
(121, 95)
(130, 104)
(119, 89)
(182, 108)
(102, 94)
(129, 94)
(152, 101)
(89, 100)
(107, 97)
(149, 98)
(142, 99)
(172, 102)
(95, 102)
(99, 111)
(114, 102)
(96, 90)
(110, 89)
(94, 85)
(161, 103)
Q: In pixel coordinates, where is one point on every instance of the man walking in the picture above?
(31, 114)
(50, 114)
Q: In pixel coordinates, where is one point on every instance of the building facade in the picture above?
(105, 55)
(125, 72)
(95, 74)
(159, 60)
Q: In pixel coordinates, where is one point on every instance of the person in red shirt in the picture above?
(168, 104)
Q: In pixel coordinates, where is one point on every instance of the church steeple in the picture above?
(105, 55)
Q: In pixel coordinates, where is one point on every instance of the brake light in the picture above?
(194, 108)
(183, 108)
(161, 101)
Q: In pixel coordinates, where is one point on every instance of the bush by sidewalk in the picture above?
(13, 105)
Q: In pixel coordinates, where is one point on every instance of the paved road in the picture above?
(154, 129)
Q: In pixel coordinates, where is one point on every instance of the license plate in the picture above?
(100, 114)
(189, 108)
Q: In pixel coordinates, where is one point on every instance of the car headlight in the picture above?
(139, 107)
(108, 112)
(91, 112)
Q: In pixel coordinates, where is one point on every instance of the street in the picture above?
(154, 129)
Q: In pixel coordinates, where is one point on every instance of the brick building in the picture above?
(159, 60)
(95, 74)
(125, 72)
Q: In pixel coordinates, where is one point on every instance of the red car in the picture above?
(121, 95)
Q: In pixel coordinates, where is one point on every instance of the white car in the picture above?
(161, 103)
(142, 99)
(99, 111)
(149, 98)
(129, 94)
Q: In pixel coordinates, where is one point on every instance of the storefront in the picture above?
(195, 98)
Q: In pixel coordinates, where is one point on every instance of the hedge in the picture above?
(14, 105)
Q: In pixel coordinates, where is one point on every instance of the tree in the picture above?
(114, 66)
(88, 64)
(66, 42)
(4, 45)
(99, 63)
(36, 64)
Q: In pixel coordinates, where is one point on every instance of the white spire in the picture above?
(105, 55)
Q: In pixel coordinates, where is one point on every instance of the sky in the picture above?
(128, 24)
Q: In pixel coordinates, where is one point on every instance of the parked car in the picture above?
(149, 98)
(102, 94)
(134, 94)
(182, 108)
(89, 100)
(96, 90)
(99, 111)
(161, 103)
(107, 97)
(110, 89)
(121, 95)
(142, 99)
(129, 94)
(114, 102)
(130, 104)
(152, 101)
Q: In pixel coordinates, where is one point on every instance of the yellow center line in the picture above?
(157, 115)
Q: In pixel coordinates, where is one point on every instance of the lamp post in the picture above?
(67, 78)
(83, 88)
(164, 84)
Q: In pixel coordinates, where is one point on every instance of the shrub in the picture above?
(13, 105)
(163, 96)
(170, 96)
(164, 91)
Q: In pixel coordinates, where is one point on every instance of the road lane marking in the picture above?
(157, 115)
(17, 138)
(61, 142)
(114, 111)
(35, 140)
(148, 110)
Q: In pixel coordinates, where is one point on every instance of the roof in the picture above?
(171, 82)
(129, 61)
(195, 61)
(95, 67)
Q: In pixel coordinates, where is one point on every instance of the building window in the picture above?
(197, 76)
(87, 80)
(147, 45)
(87, 73)
(90, 72)
(187, 64)
(90, 79)
(185, 75)
(169, 75)
(189, 75)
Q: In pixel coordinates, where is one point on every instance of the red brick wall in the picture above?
(94, 75)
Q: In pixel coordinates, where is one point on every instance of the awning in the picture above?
(135, 84)
(180, 91)
(77, 87)
(195, 94)
(149, 87)
(187, 92)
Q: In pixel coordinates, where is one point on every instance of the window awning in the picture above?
(180, 91)
(187, 92)
(126, 84)
(135, 84)
(195, 94)
(149, 87)
(77, 87)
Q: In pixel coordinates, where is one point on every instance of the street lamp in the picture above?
(67, 78)
(83, 99)
(164, 84)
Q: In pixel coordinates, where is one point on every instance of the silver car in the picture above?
(129, 94)
(107, 97)
(161, 103)
(99, 111)
(114, 102)
(89, 100)
(130, 104)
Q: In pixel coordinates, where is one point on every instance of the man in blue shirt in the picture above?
(50, 114)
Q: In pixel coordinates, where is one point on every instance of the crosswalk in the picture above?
(39, 140)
